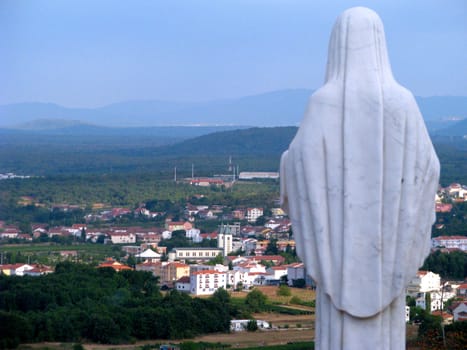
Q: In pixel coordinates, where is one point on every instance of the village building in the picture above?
(111, 263)
(459, 311)
(206, 282)
(194, 253)
(122, 237)
(424, 281)
(450, 242)
(253, 213)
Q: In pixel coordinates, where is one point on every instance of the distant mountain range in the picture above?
(277, 108)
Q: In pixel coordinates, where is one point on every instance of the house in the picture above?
(241, 325)
(10, 232)
(446, 317)
(274, 259)
(122, 237)
(459, 311)
(443, 207)
(424, 281)
(456, 190)
(114, 265)
(149, 255)
(436, 300)
(58, 231)
(149, 238)
(168, 272)
(193, 234)
(238, 214)
(277, 272)
(277, 212)
(15, 269)
(178, 225)
(249, 245)
(451, 242)
(253, 213)
(205, 182)
(183, 284)
(283, 245)
(206, 282)
(462, 290)
(207, 214)
(250, 175)
(194, 253)
(39, 270)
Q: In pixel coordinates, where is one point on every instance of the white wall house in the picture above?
(452, 242)
(276, 272)
(253, 213)
(436, 300)
(224, 241)
(206, 282)
(241, 325)
(295, 271)
(460, 311)
(424, 281)
(194, 253)
(183, 284)
(193, 234)
(122, 237)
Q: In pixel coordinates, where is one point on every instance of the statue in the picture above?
(358, 182)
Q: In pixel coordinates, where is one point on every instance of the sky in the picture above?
(89, 53)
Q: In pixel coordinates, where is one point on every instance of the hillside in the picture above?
(141, 150)
(276, 108)
(253, 141)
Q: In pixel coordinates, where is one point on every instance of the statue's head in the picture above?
(357, 43)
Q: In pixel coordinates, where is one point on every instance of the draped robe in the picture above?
(358, 182)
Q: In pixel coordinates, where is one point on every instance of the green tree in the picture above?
(284, 291)
(256, 301)
(252, 326)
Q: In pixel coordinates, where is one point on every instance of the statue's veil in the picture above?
(359, 178)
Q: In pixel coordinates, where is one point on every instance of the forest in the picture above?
(83, 303)
(129, 151)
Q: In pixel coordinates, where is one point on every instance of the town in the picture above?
(252, 246)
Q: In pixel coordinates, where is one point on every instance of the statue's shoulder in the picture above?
(397, 97)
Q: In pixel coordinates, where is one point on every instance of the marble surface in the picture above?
(358, 182)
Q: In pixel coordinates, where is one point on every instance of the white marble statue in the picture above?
(358, 182)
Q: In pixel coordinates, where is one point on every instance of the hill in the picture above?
(277, 108)
(73, 151)
(252, 141)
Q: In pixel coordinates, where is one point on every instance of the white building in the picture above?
(452, 242)
(249, 245)
(206, 282)
(253, 213)
(277, 272)
(193, 234)
(224, 242)
(15, 269)
(241, 325)
(459, 311)
(436, 300)
(295, 271)
(250, 175)
(122, 237)
(183, 284)
(424, 281)
(194, 253)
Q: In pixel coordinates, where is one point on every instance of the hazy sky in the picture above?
(94, 52)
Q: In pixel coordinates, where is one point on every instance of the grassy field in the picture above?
(51, 253)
